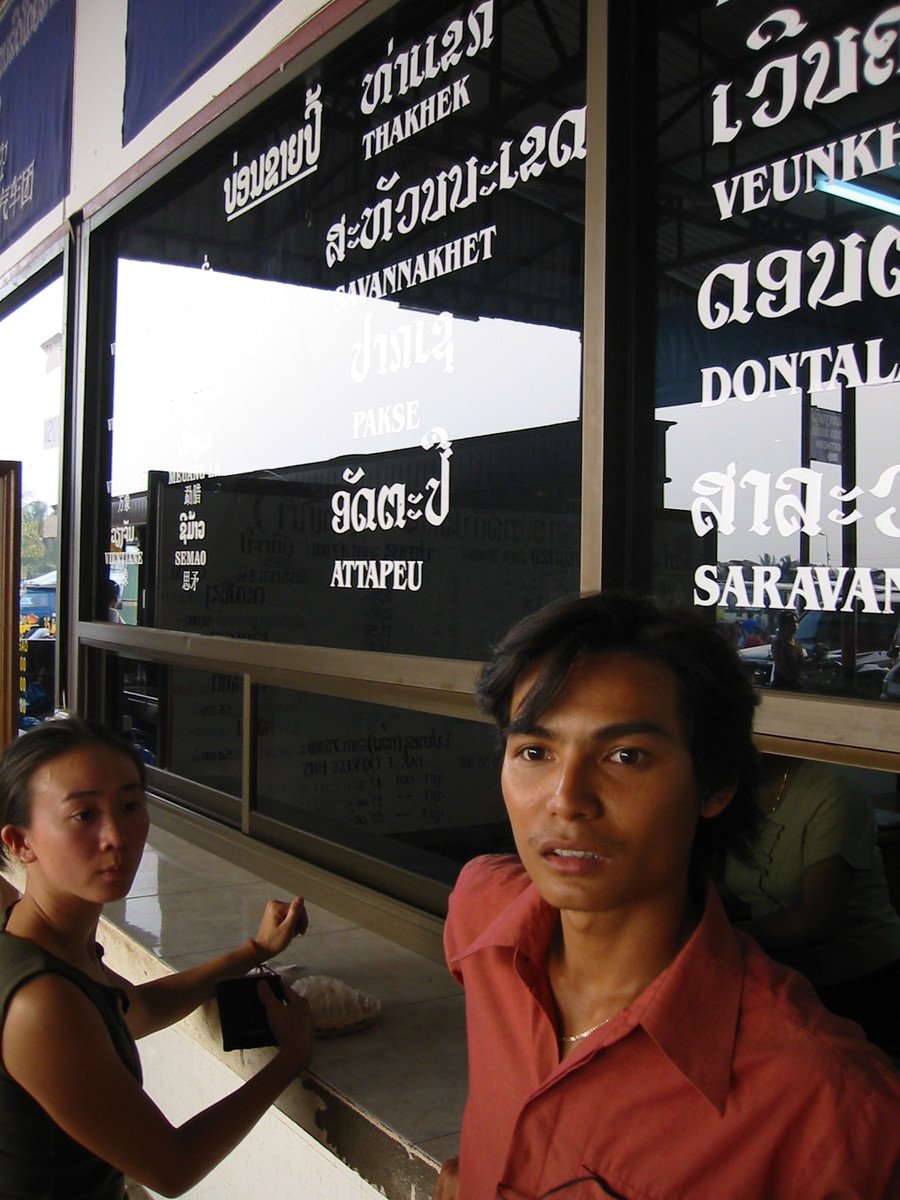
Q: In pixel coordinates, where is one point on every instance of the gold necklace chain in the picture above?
(578, 1037)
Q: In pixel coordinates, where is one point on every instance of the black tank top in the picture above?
(38, 1160)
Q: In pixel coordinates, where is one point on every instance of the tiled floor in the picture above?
(407, 1070)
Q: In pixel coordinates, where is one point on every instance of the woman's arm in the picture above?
(56, 1046)
(161, 1002)
(826, 894)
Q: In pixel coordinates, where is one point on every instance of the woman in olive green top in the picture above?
(74, 1119)
(814, 894)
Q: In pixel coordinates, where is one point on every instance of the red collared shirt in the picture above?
(724, 1080)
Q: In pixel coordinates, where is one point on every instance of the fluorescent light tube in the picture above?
(859, 195)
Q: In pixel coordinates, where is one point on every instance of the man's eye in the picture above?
(532, 753)
(84, 815)
(627, 756)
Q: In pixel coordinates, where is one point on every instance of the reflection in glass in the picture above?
(347, 387)
(777, 353)
(142, 688)
(205, 727)
(326, 376)
(184, 721)
(31, 348)
(415, 789)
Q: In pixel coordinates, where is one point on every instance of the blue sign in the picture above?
(171, 43)
(37, 52)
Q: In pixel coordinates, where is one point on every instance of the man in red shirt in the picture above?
(624, 1040)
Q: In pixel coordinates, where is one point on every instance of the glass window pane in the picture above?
(414, 789)
(348, 346)
(184, 721)
(205, 727)
(777, 348)
(141, 693)
(31, 353)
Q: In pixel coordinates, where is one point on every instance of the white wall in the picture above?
(278, 1160)
(98, 157)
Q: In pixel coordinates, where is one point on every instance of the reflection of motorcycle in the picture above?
(890, 688)
(823, 671)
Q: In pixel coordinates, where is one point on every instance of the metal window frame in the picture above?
(848, 732)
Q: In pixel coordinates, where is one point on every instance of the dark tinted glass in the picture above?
(777, 347)
(347, 337)
(184, 721)
(416, 790)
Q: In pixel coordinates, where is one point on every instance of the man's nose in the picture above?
(575, 794)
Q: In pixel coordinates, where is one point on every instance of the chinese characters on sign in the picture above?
(37, 46)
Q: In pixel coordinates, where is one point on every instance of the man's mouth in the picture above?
(583, 851)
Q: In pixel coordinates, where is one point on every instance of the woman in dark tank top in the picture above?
(72, 811)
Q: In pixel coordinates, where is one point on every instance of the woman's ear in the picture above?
(715, 802)
(16, 843)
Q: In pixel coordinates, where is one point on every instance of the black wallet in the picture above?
(241, 1013)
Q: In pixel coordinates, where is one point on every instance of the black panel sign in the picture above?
(428, 551)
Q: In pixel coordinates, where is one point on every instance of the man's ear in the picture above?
(16, 843)
(715, 802)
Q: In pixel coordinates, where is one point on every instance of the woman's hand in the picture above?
(448, 1181)
(160, 1002)
(280, 924)
(290, 1022)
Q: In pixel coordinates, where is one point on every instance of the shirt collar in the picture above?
(524, 926)
(690, 1011)
(525, 922)
(693, 1016)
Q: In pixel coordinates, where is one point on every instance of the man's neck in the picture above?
(599, 963)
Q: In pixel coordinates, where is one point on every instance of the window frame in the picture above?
(850, 732)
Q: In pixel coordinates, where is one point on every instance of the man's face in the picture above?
(601, 791)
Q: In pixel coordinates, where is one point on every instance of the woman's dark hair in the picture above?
(716, 700)
(40, 745)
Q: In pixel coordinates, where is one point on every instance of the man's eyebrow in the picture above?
(602, 733)
(530, 728)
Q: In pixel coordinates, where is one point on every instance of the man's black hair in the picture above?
(715, 698)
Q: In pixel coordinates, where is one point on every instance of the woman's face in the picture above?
(87, 824)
